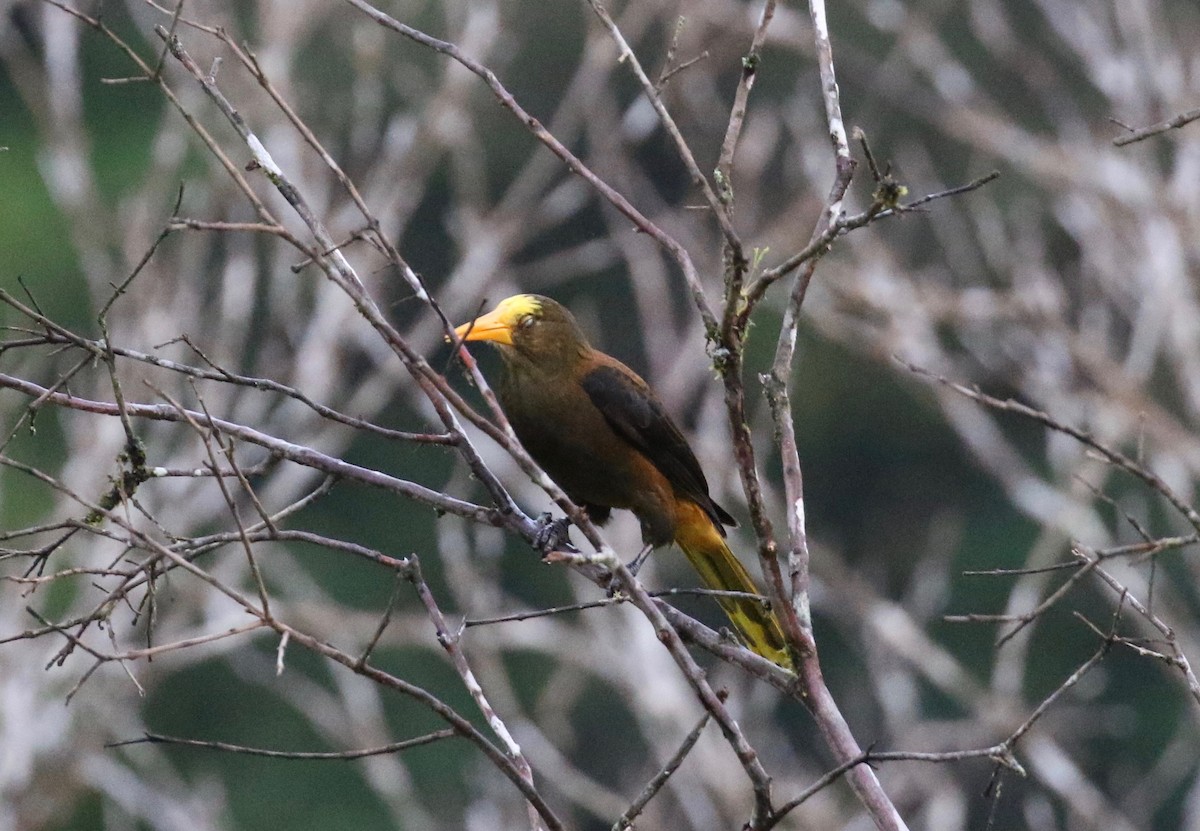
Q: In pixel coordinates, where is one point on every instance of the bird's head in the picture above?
(530, 326)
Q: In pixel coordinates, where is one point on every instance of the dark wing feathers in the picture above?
(637, 416)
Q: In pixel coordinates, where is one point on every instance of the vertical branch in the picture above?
(778, 389)
(737, 116)
(829, 90)
(736, 271)
(796, 616)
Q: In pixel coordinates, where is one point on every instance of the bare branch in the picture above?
(1144, 133)
(345, 755)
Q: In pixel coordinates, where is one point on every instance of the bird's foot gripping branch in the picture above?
(553, 534)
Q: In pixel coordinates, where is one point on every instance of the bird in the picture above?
(600, 432)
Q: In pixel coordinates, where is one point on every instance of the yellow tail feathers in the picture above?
(719, 569)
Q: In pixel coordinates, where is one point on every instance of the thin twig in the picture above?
(395, 747)
(715, 203)
(296, 453)
(1112, 456)
(625, 821)
(1161, 127)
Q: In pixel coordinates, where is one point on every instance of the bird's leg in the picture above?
(553, 534)
(635, 565)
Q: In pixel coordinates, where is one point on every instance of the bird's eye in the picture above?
(525, 322)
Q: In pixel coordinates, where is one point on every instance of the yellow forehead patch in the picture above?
(499, 324)
(513, 308)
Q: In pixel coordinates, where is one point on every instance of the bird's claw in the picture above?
(635, 565)
(615, 585)
(553, 534)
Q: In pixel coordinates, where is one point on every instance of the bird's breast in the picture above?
(570, 439)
